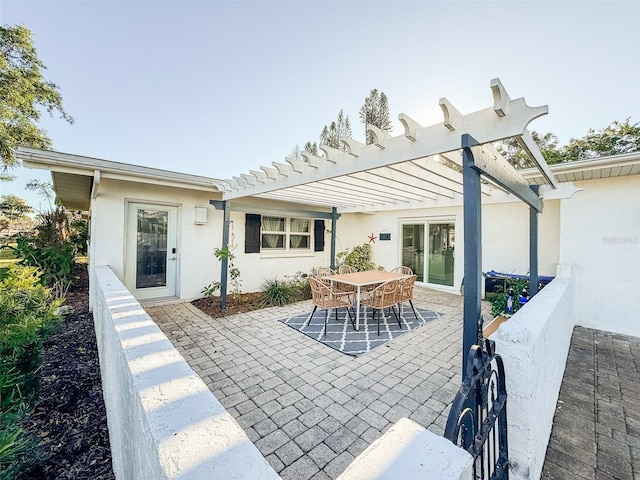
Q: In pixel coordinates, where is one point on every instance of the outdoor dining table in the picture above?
(364, 279)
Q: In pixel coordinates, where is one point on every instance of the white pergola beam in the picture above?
(485, 126)
(527, 143)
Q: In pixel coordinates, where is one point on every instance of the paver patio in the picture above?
(309, 409)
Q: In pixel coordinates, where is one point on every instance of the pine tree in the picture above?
(375, 111)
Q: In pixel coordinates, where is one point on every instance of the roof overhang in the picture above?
(76, 177)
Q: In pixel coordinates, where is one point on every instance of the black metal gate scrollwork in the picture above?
(478, 418)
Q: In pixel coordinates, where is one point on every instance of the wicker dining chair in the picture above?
(383, 296)
(328, 298)
(322, 272)
(405, 292)
(346, 269)
(403, 270)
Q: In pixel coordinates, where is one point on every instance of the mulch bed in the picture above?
(240, 303)
(70, 418)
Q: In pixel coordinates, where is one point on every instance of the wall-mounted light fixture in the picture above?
(200, 215)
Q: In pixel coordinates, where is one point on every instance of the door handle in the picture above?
(172, 258)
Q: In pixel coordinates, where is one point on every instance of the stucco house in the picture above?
(157, 230)
(154, 233)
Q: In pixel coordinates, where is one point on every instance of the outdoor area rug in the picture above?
(342, 337)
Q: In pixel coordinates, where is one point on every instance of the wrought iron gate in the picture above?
(478, 418)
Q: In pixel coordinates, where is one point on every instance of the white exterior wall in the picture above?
(534, 345)
(601, 235)
(164, 423)
(505, 237)
(196, 261)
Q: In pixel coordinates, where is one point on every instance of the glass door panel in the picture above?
(413, 248)
(441, 253)
(151, 248)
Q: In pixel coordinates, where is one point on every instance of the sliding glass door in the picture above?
(438, 243)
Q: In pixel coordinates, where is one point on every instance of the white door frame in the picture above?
(168, 288)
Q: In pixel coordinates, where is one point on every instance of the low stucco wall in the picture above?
(163, 421)
(534, 345)
(408, 451)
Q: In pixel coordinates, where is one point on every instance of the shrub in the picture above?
(358, 258)
(27, 312)
(56, 261)
(277, 293)
(499, 302)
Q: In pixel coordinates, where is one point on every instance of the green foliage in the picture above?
(276, 293)
(210, 290)
(14, 207)
(27, 312)
(335, 131)
(234, 272)
(55, 261)
(617, 138)
(375, 111)
(293, 288)
(358, 258)
(13, 446)
(499, 301)
(24, 92)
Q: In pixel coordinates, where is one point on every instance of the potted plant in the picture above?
(507, 301)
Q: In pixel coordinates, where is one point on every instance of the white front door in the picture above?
(151, 250)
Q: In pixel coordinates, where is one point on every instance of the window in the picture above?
(280, 233)
(286, 234)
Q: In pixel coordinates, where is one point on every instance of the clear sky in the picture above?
(218, 88)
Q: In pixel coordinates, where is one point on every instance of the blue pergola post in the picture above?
(334, 221)
(472, 212)
(533, 246)
(224, 264)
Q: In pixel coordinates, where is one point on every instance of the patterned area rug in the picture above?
(342, 336)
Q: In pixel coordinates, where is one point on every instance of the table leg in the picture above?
(358, 308)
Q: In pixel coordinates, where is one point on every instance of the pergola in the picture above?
(407, 171)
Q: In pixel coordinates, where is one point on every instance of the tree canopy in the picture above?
(24, 93)
(615, 139)
(375, 111)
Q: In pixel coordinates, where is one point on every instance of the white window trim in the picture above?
(287, 250)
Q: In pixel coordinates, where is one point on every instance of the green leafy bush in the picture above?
(499, 302)
(56, 261)
(27, 312)
(277, 293)
(358, 258)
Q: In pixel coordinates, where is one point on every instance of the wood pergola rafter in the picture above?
(396, 170)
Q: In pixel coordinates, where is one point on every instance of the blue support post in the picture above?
(472, 212)
(533, 247)
(334, 220)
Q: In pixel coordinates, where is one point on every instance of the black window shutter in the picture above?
(252, 233)
(318, 235)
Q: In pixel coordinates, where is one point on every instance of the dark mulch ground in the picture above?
(240, 303)
(70, 418)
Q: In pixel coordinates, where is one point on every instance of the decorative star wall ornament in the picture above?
(372, 238)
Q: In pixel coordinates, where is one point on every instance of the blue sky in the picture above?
(219, 88)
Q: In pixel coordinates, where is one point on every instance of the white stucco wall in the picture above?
(505, 238)
(164, 423)
(601, 236)
(195, 242)
(408, 451)
(534, 345)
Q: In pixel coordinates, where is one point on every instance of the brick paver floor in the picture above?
(309, 409)
(596, 428)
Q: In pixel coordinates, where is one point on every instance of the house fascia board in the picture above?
(625, 159)
(81, 165)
